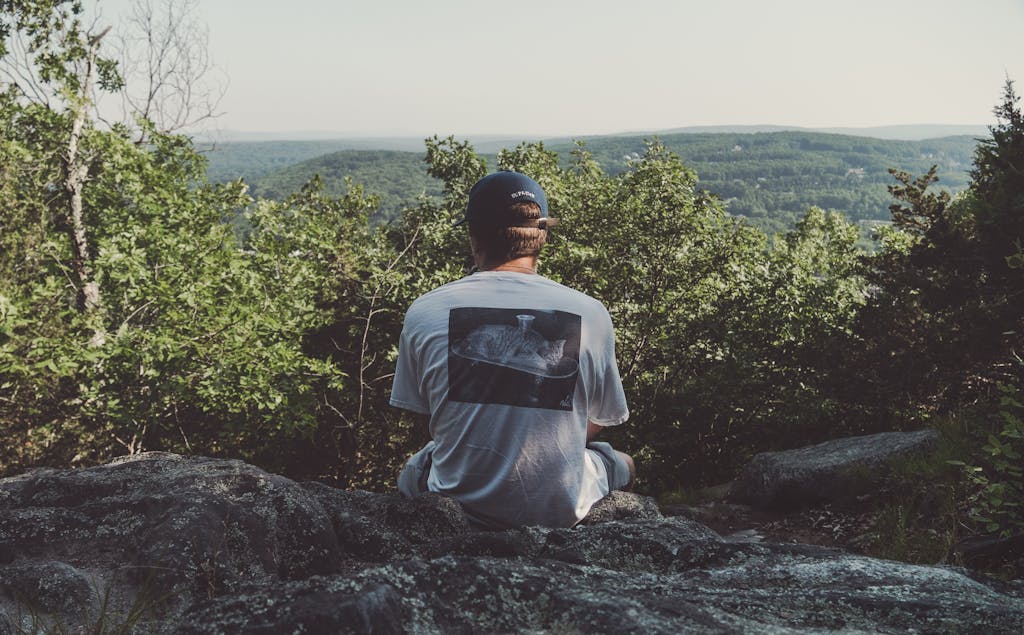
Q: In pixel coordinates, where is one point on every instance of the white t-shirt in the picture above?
(510, 367)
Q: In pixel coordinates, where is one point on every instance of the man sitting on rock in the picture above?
(513, 375)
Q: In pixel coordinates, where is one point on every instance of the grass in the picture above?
(105, 618)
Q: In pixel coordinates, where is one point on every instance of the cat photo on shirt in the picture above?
(517, 357)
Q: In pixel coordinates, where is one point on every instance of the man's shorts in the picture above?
(413, 479)
(614, 465)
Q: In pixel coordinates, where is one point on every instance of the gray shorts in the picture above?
(413, 479)
(614, 465)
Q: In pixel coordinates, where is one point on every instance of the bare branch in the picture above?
(169, 78)
(364, 365)
(19, 68)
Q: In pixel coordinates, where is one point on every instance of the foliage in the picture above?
(997, 204)
(204, 340)
(202, 353)
(947, 304)
(943, 328)
(996, 502)
(917, 512)
(997, 190)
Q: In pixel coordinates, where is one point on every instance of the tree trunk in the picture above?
(76, 172)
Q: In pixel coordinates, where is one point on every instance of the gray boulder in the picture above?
(154, 528)
(832, 471)
(726, 588)
(164, 543)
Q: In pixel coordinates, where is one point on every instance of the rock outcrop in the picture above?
(833, 471)
(164, 543)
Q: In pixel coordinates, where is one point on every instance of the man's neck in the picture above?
(525, 265)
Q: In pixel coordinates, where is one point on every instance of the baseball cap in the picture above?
(491, 196)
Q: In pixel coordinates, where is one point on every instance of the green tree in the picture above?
(997, 188)
(946, 305)
(203, 340)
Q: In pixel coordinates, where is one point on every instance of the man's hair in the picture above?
(504, 243)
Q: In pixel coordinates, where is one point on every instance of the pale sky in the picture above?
(568, 67)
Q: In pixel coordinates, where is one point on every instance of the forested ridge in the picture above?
(769, 177)
(396, 178)
(134, 317)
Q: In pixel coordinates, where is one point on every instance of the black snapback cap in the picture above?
(493, 194)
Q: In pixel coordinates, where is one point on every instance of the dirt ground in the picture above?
(820, 526)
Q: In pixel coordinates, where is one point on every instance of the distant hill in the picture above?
(773, 177)
(920, 132)
(910, 132)
(769, 177)
(398, 178)
(252, 160)
(907, 132)
(234, 154)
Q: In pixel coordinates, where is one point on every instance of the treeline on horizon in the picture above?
(133, 317)
(770, 178)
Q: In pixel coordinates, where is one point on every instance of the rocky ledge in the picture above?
(164, 543)
(833, 471)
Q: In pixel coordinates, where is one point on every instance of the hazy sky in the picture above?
(567, 67)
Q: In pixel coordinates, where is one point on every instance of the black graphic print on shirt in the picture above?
(518, 357)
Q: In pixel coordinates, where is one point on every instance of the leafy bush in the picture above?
(996, 501)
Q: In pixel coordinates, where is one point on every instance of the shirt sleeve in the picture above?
(405, 388)
(608, 404)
